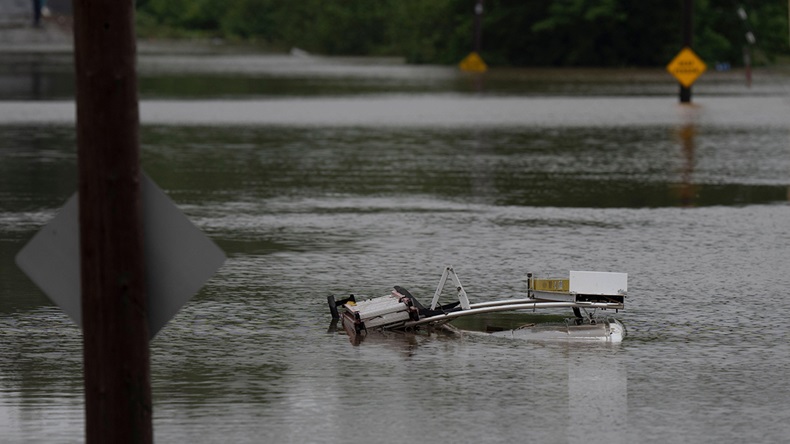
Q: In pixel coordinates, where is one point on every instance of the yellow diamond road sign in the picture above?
(473, 63)
(686, 67)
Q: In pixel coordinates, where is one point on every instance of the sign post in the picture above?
(119, 258)
(688, 32)
(473, 62)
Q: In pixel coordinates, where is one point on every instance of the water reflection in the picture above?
(597, 397)
(403, 341)
(36, 76)
(595, 405)
(582, 167)
(176, 73)
(688, 191)
(572, 167)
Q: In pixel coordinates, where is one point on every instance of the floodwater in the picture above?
(333, 176)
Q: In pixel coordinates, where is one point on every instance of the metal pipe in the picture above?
(509, 307)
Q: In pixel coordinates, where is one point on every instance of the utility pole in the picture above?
(473, 62)
(477, 40)
(688, 25)
(747, 47)
(114, 311)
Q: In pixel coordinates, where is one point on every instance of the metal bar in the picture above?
(529, 284)
(509, 307)
(502, 302)
(462, 297)
(114, 305)
(612, 305)
(440, 287)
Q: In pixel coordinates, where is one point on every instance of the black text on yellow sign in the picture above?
(686, 67)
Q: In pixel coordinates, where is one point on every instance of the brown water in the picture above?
(362, 176)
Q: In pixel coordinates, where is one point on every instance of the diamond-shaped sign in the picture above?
(686, 67)
(473, 63)
(179, 258)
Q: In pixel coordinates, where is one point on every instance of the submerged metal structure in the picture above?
(584, 292)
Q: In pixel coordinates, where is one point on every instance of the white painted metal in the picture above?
(556, 296)
(611, 305)
(502, 302)
(439, 287)
(388, 311)
(371, 308)
(616, 331)
(509, 307)
(462, 297)
(598, 283)
(386, 319)
(606, 330)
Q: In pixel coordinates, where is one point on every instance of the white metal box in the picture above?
(385, 311)
(598, 283)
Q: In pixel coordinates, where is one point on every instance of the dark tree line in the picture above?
(515, 32)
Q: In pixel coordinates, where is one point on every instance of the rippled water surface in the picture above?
(690, 202)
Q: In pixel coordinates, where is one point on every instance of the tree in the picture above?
(515, 32)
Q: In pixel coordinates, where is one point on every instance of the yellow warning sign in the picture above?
(686, 67)
(473, 63)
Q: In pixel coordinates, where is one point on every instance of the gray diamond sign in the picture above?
(179, 258)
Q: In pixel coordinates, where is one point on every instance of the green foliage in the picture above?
(515, 32)
(769, 22)
(583, 32)
(437, 31)
(249, 19)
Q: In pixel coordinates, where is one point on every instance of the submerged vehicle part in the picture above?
(584, 292)
(600, 330)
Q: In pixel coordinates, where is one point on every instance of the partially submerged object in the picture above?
(584, 292)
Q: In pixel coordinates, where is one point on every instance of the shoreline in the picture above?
(54, 37)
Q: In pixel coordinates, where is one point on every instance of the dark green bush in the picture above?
(515, 32)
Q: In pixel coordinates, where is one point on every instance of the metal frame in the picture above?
(410, 318)
(497, 306)
(529, 303)
(462, 297)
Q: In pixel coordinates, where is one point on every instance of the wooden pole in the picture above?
(688, 25)
(114, 312)
(477, 37)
